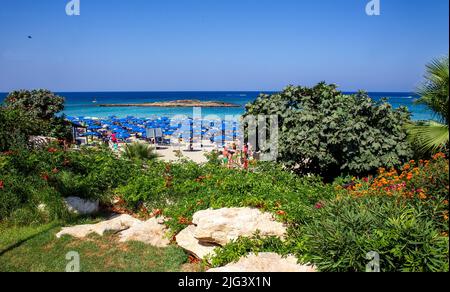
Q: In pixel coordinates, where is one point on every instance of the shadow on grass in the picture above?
(20, 242)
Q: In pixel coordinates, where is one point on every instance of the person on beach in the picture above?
(245, 154)
(226, 154)
(114, 141)
(105, 139)
(231, 154)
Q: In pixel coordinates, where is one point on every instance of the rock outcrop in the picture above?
(228, 224)
(186, 240)
(216, 228)
(150, 232)
(263, 263)
(116, 224)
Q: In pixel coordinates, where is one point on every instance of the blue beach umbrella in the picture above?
(91, 134)
(94, 127)
(123, 135)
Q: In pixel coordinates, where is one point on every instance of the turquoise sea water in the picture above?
(82, 103)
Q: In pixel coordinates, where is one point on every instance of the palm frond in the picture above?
(430, 137)
(139, 151)
(434, 92)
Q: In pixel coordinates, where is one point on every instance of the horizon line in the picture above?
(213, 91)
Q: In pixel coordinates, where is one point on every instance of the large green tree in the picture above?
(42, 104)
(433, 136)
(27, 113)
(326, 132)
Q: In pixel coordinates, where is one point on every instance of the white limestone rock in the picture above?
(265, 263)
(151, 232)
(226, 225)
(115, 224)
(186, 240)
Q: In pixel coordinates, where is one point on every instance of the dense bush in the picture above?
(424, 184)
(400, 214)
(345, 230)
(29, 201)
(15, 128)
(29, 178)
(325, 132)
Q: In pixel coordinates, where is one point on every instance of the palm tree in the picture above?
(139, 151)
(433, 136)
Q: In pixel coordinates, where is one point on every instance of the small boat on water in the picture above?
(94, 101)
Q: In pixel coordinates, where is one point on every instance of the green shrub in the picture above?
(31, 179)
(325, 132)
(16, 126)
(233, 251)
(142, 189)
(345, 230)
(423, 184)
(13, 194)
(29, 201)
(140, 152)
(214, 158)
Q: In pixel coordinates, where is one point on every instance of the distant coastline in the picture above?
(176, 103)
(81, 103)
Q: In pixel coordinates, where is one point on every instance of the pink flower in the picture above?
(319, 206)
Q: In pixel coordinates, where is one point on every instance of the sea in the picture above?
(86, 104)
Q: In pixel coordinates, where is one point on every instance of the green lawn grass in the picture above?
(36, 249)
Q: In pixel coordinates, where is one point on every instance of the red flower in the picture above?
(184, 221)
(157, 212)
(194, 260)
(2, 185)
(366, 179)
(281, 213)
(52, 150)
(319, 206)
(45, 176)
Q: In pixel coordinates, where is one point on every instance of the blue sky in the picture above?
(159, 45)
